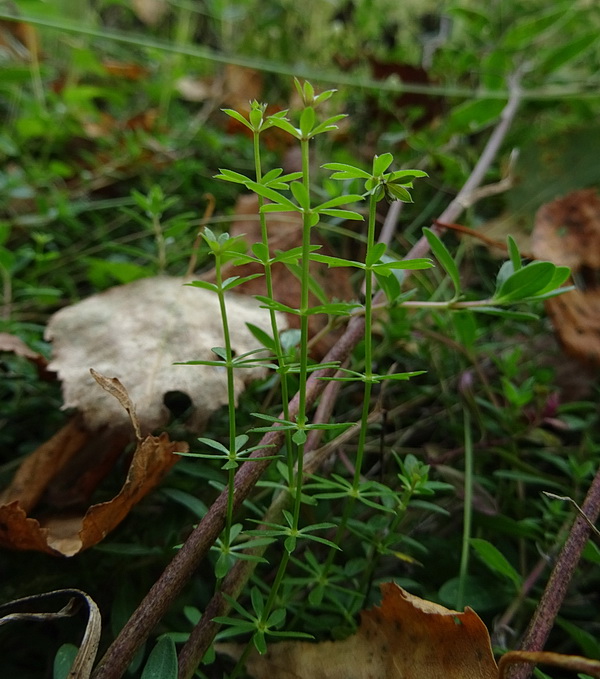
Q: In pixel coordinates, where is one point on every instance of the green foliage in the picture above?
(90, 200)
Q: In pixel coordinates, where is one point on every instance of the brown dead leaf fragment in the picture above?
(404, 638)
(567, 232)
(69, 532)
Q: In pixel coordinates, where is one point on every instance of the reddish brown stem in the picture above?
(556, 589)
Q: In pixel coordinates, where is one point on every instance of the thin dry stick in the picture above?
(556, 589)
(464, 196)
(175, 576)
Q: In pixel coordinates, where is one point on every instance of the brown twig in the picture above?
(462, 199)
(556, 588)
(575, 663)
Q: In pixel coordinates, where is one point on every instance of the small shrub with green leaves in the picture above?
(322, 541)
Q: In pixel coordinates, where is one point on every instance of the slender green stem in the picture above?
(230, 394)
(302, 397)
(464, 558)
(360, 451)
(368, 377)
(281, 360)
(304, 306)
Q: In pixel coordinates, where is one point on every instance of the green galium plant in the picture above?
(293, 193)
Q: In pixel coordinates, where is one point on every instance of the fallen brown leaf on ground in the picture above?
(404, 638)
(567, 232)
(136, 332)
(114, 353)
(70, 531)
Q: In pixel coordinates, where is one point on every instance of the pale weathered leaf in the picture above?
(136, 333)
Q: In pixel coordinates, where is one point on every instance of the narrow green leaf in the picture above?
(234, 281)
(375, 254)
(475, 114)
(307, 121)
(400, 376)
(261, 251)
(342, 214)
(349, 171)
(398, 192)
(63, 661)
(523, 33)
(406, 174)
(301, 195)
(313, 284)
(514, 254)
(561, 273)
(328, 125)
(558, 57)
(286, 126)
(238, 116)
(340, 200)
(272, 195)
(269, 303)
(506, 313)
(386, 268)
(277, 617)
(258, 603)
(213, 444)
(299, 438)
(265, 339)
(274, 207)
(333, 262)
(189, 501)
(389, 284)
(333, 309)
(294, 255)
(204, 285)
(494, 559)
(231, 176)
(444, 257)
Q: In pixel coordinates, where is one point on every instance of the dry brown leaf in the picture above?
(567, 232)
(68, 533)
(124, 69)
(404, 638)
(136, 332)
(114, 387)
(39, 468)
